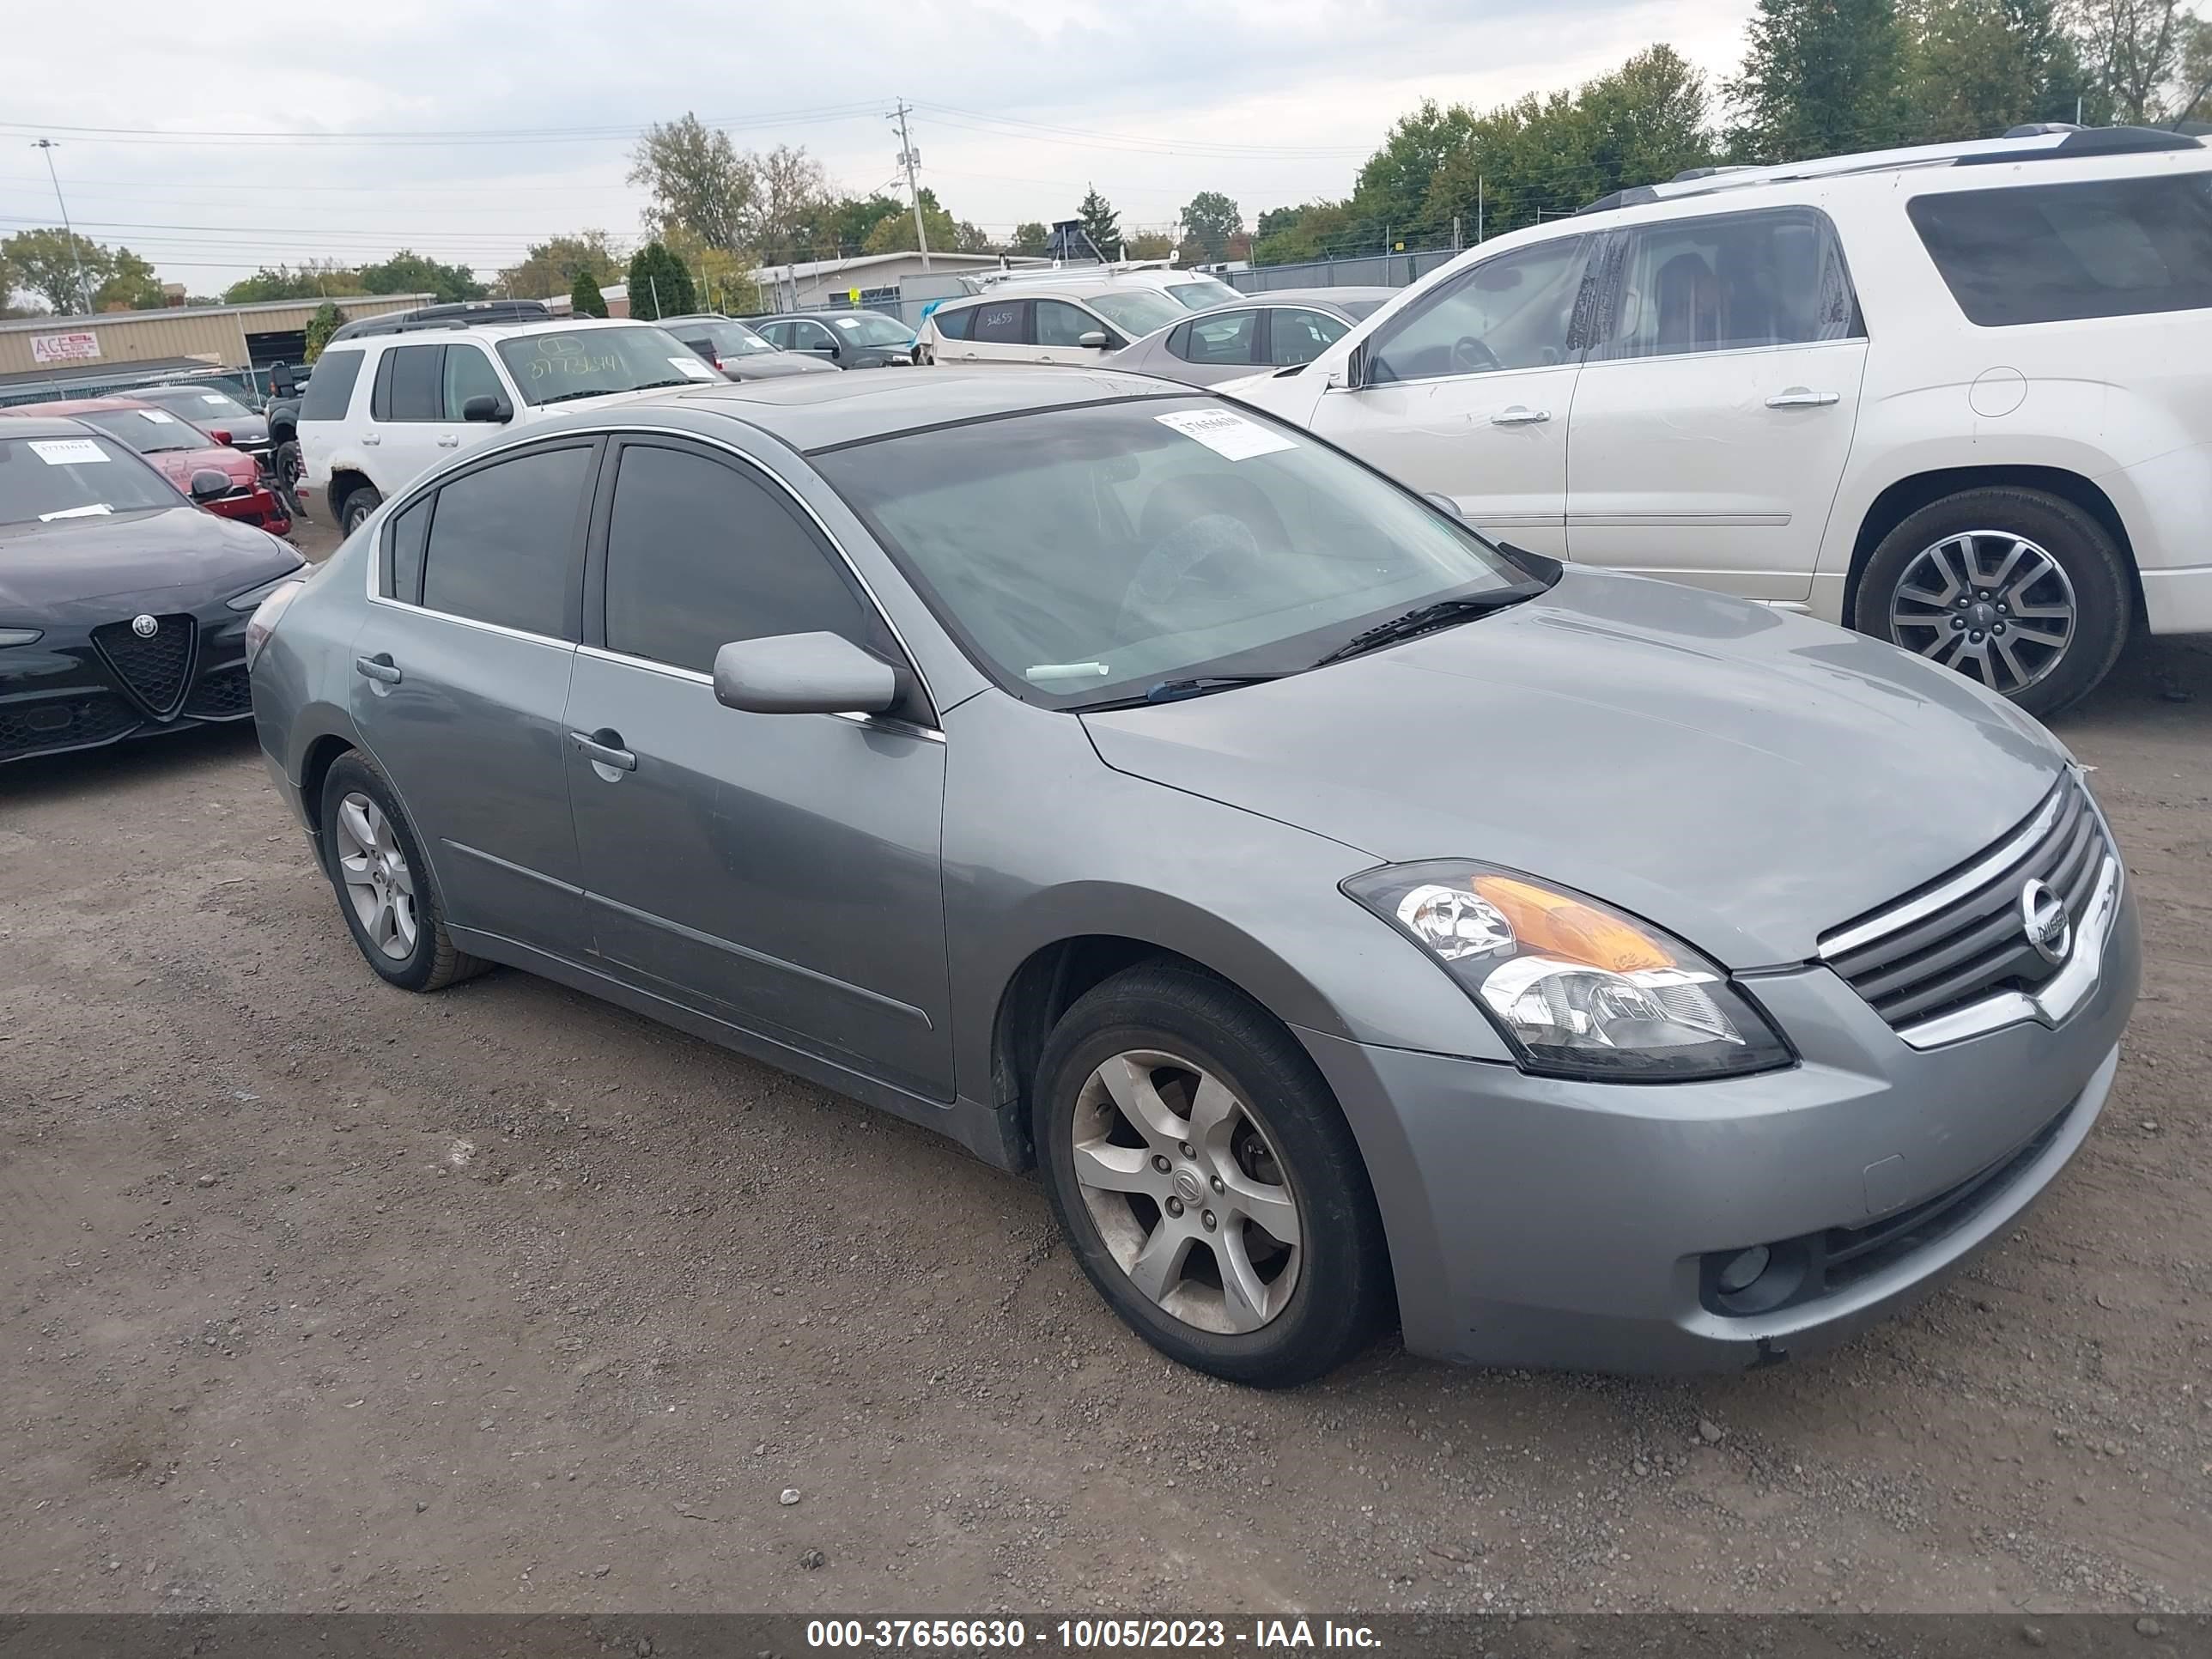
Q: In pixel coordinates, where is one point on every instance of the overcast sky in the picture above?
(467, 131)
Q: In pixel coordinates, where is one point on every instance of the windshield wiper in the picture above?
(1176, 690)
(1426, 618)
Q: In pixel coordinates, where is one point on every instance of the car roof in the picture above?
(813, 412)
(79, 406)
(1312, 296)
(20, 425)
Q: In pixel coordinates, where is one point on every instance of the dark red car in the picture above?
(180, 449)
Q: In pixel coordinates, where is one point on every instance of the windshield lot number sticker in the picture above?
(158, 416)
(1230, 436)
(67, 452)
(692, 366)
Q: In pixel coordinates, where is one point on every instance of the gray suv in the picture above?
(1353, 919)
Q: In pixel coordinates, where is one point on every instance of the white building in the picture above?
(812, 283)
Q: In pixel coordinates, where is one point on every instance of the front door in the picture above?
(1468, 393)
(460, 678)
(780, 872)
(1716, 408)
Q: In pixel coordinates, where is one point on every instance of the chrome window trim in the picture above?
(481, 626)
(2057, 998)
(1978, 874)
(692, 675)
(421, 487)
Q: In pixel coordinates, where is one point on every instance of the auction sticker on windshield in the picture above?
(1230, 436)
(158, 416)
(696, 370)
(67, 452)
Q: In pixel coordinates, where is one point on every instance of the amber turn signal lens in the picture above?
(1561, 926)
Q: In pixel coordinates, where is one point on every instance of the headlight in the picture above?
(263, 623)
(251, 599)
(21, 635)
(1577, 988)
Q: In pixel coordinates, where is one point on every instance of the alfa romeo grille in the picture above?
(1965, 936)
(153, 667)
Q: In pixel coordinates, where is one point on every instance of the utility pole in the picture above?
(1477, 207)
(909, 158)
(84, 287)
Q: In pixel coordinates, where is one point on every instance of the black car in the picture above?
(844, 339)
(212, 408)
(735, 350)
(123, 605)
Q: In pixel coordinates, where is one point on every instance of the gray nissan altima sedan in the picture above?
(1355, 920)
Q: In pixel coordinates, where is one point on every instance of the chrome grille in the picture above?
(1963, 938)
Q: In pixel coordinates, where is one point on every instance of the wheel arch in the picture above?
(344, 481)
(1907, 495)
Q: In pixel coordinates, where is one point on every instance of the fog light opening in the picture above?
(1742, 1271)
(1757, 1279)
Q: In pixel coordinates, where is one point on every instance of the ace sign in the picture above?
(79, 347)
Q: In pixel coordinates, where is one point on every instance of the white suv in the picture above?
(1066, 316)
(1956, 397)
(388, 403)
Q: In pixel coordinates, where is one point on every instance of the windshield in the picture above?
(42, 479)
(872, 331)
(555, 367)
(1086, 554)
(199, 406)
(1136, 310)
(1203, 295)
(148, 431)
(733, 340)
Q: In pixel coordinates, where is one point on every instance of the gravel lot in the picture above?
(321, 1296)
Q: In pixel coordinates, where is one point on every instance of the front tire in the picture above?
(2019, 590)
(361, 500)
(384, 889)
(1206, 1182)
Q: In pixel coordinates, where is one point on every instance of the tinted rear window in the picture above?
(953, 325)
(331, 389)
(2052, 253)
(499, 541)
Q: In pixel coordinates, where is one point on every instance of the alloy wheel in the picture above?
(1994, 605)
(378, 883)
(1188, 1194)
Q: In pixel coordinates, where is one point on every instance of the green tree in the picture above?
(895, 234)
(972, 239)
(788, 195)
(1150, 245)
(1291, 235)
(312, 279)
(40, 262)
(1100, 223)
(699, 182)
(129, 285)
(585, 298)
(2195, 103)
(1032, 238)
(1820, 78)
(2133, 52)
(551, 267)
(1973, 68)
(658, 285)
(1208, 219)
(409, 272)
(326, 321)
(1393, 186)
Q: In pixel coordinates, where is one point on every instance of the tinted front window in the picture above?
(331, 389)
(1726, 283)
(71, 477)
(469, 373)
(727, 339)
(1060, 324)
(556, 368)
(1299, 337)
(1516, 311)
(699, 554)
(501, 541)
(1085, 553)
(2050, 254)
(1223, 339)
(1137, 311)
(148, 431)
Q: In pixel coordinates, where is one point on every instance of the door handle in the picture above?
(605, 748)
(379, 668)
(1799, 397)
(1520, 414)
(370, 439)
(449, 441)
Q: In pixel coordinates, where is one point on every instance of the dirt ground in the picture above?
(320, 1296)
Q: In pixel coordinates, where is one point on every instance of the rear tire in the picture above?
(383, 885)
(361, 500)
(1206, 1182)
(2044, 625)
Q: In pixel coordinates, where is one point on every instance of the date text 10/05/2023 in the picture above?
(1085, 1635)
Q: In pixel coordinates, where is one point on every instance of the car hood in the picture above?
(1744, 777)
(178, 465)
(773, 366)
(245, 428)
(179, 555)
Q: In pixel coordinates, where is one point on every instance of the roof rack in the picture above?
(461, 314)
(1061, 273)
(2044, 141)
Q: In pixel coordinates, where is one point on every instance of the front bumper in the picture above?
(1533, 1221)
(64, 693)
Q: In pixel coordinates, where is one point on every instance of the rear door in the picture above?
(997, 332)
(460, 676)
(1467, 393)
(407, 432)
(1717, 403)
(777, 871)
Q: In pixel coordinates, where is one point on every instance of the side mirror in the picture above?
(1445, 503)
(486, 407)
(803, 674)
(1093, 337)
(210, 485)
(220, 437)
